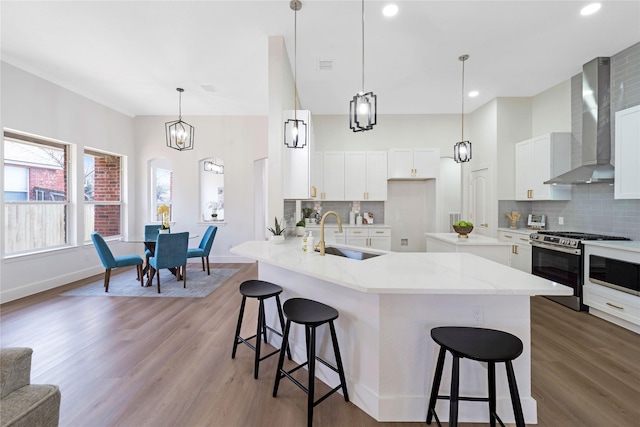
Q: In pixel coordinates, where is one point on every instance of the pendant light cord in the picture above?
(462, 58)
(179, 105)
(362, 12)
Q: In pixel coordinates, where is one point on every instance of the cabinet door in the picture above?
(400, 163)
(426, 162)
(524, 185)
(376, 176)
(541, 161)
(355, 174)
(627, 154)
(316, 185)
(382, 243)
(333, 172)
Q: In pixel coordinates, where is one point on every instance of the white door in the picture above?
(479, 206)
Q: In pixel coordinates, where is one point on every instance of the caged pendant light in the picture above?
(462, 149)
(179, 133)
(295, 130)
(363, 112)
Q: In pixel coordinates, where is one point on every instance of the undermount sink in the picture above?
(349, 253)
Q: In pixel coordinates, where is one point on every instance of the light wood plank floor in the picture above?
(167, 362)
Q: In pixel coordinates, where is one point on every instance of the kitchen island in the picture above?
(486, 247)
(388, 305)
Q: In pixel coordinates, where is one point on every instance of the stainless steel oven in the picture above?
(558, 256)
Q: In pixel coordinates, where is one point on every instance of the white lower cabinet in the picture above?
(375, 237)
(520, 249)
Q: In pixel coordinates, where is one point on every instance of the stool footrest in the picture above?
(468, 399)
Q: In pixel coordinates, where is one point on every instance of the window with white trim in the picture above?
(35, 193)
(102, 194)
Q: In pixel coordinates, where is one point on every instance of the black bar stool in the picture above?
(311, 314)
(483, 345)
(261, 290)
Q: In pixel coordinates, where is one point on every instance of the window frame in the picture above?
(92, 204)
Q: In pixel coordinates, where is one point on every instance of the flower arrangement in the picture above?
(164, 211)
(214, 209)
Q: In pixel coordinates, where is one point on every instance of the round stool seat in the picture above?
(259, 289)
(308, 312)
(483, 345)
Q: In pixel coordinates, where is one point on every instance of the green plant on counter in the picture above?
(300, 223)
(306, 212)
(277, 230)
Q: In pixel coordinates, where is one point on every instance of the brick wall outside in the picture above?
(107, 188)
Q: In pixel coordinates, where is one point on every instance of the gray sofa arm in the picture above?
(15, 369)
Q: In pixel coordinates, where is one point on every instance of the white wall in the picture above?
(551, 110)
(36, 106)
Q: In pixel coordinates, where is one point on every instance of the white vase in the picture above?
(299, 231)
(277, 239)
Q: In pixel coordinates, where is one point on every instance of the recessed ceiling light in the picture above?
(473, 94)
(390, 10)
(590, 9)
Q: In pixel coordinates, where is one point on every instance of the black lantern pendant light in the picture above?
(295, 130)
(462, 149)
(179, 133)
(363, 112)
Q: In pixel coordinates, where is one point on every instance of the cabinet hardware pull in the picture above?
(507, 236)
(516, 249)
(379, 232)
(524, 240)
(357, 232)
(615, 306)
(313, 191)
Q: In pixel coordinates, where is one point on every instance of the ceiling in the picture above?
(132, 55)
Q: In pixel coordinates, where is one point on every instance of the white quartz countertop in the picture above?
(404, 273)
(471, 240)
(626, 245)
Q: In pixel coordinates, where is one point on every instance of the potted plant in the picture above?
(214, 210)
(300, 228)
(306, 213)
(277, 231)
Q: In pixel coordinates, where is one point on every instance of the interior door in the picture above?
(479, 206)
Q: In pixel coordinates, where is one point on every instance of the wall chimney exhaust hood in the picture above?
(596, 128)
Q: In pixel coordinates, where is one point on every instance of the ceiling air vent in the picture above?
(325, 64)
(209, 88)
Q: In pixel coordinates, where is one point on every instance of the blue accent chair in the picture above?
(171, 252)
(204, 249)
(150, 233)
(110, 262)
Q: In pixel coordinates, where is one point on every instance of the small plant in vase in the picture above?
(277, 231)
(300, 225)
(306, 213)
(214, 210)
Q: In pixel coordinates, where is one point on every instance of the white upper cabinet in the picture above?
(540, 159)
(413, 163)
(365, 175)
(627, 154)
(327, 176)
(296, 162)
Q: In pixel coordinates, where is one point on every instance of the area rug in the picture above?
(125, 284)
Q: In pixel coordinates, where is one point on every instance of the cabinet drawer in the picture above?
(379, 232)
(616, 303)
(357, 232)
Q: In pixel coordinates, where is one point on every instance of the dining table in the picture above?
(149, 240)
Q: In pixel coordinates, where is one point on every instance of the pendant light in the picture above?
(179, 133)
(462, 149)
(363, 112)
(295, 131)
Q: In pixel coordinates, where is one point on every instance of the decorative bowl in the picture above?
(463, 231)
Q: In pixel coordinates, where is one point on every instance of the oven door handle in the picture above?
(556, 248)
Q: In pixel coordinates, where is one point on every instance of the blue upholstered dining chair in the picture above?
(171, 252)
(110, 262)
(150, 230)
(204, 249)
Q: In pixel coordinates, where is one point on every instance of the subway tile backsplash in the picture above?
(592, 209)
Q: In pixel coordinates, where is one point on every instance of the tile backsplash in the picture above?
(341, 208)
(592, 209)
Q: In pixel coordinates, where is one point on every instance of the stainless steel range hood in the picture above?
(596, 128)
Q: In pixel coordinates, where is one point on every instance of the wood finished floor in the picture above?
(123, 361)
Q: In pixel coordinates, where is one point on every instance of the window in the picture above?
(102, 194)
(35, 193)
(161, 187)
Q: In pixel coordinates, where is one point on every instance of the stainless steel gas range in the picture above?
(558, 256)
